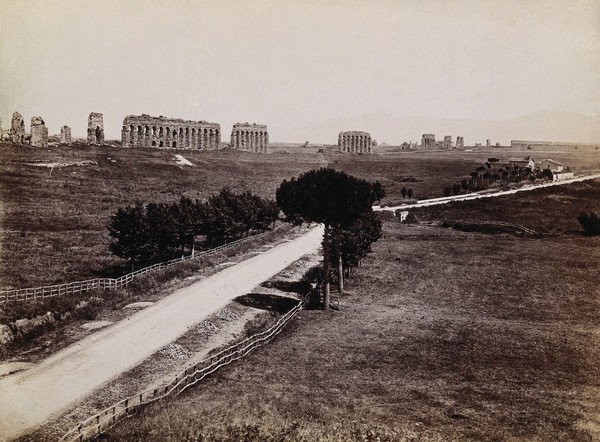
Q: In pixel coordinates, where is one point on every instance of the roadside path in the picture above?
(474, 196)
(30, 398)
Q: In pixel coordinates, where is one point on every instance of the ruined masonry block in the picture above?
(147, 131)
(39, 132)
(65, 135)
(17, 129)
(252, 137)
(95, 131)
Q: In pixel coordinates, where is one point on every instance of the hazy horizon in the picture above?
(300, 64)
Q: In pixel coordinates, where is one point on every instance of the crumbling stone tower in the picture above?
(253, 137)
(447, 142)
(39, 132)
(17, 129)
(65, 135)
(355, 141)
(460, 142)
(95, 131)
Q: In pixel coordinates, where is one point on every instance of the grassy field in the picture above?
(546, 210)
(53, 219)
(444, 335)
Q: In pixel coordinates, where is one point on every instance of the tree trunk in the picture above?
(338, 248)
(326, 267)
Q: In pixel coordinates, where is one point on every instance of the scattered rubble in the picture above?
(206, 327)
(142, 304)
(94, 325)
(175, 351)
(227, 315)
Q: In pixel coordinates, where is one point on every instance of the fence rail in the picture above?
(107, 418)
(78, 287)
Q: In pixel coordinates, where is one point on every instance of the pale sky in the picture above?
(293, 63)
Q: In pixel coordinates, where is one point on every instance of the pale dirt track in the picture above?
(30, 398)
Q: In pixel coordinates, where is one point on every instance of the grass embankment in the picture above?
(548, 210)
(445, 335)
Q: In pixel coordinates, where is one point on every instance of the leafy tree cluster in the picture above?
(356, 241)
(590, 222)
(407, 193)
(155, 232)
(492, 172)
(338, 201)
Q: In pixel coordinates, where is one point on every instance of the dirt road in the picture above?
(474, 196)
(30, 398)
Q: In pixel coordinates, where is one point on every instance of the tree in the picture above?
(590, 222)
(332, 198)
(409, 193)
(128, 228)
(493, 162)
(378, 191)
(447, 190)
(474, 176)
(455, 188)
(403, 191)
(189, 220)
(464, 184)
(162, 240)
(356, 240)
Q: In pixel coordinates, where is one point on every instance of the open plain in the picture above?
(443, 334)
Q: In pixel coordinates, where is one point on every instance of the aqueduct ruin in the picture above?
(355, 141)
(95, 131)
(253, 137)
(148, 131)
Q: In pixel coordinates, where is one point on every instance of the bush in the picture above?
(590, 222)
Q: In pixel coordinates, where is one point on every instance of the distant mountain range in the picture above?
(540, 126)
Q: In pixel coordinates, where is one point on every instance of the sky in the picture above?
(296, 63)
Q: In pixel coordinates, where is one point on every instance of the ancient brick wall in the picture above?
(65, 135)
(355, 141)
(447, 144)
(17, 129)
(428, 141)
(252, 137)
(39, 132)
(95, 131)
(147, 131)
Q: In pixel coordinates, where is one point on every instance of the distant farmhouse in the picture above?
(522, 163)
(557, 169)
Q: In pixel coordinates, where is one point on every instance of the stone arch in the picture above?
(153, 143)
(174, 143)
(161, 144)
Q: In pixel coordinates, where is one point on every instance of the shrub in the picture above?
(590, 222)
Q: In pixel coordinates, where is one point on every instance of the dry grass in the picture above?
(53, 220)
(547, 210)
(445, 335)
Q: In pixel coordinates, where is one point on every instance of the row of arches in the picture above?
(354, 143)
(170, 137)
(252, 140)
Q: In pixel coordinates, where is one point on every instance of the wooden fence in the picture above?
(73, 288)
(105, 419)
